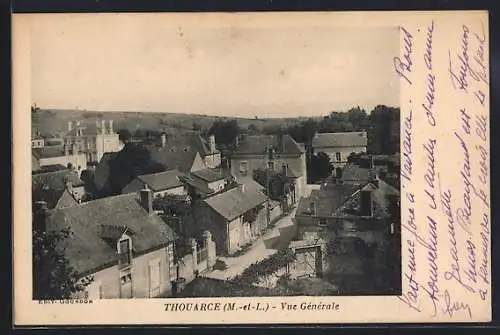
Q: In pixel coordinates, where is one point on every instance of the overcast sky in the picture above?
(141, 65)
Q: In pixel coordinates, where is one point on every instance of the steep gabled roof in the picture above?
(87, 250)
(183, 159)
(326, 201)
(256, 144)
(235, 202)
(339, 140)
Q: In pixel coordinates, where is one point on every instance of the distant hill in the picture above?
(56, 120)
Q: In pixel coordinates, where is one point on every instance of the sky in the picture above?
(231, 69)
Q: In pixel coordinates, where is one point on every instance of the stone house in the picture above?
(338, 146)
(250, 154)
(235, 217)
(58, 155)
(162, 183)
(126, 248)
(92, 140)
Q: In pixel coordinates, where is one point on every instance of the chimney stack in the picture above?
(211, 139)
(366, 203)
(242, 187)
(103, 126)
(284, 170)
(163, 140)
(147, 199)
(70, 126)
(111, 127)
(236, 142)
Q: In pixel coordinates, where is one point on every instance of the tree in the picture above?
(124, 135)
(225, 131)
(252, 129)
(321, 167)
(383, 135)
(132, 161)
(53, 276)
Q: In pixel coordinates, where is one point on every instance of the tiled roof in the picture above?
(235, 202)
(101, 173)
(56, 180)
(182, 159)
(251, 184)
(193, 140)
(349, 139)
(256, 144)
(208, 175)
(327, 201)
(66, 200)
(87, 250)
(48, 151)
(354, 173)
(163, 180)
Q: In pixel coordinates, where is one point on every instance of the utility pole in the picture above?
(270, 158)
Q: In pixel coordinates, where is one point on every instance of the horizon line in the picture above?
(209, 115)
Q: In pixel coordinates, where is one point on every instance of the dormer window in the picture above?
(124, 252)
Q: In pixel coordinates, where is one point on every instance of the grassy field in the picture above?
(47, 121)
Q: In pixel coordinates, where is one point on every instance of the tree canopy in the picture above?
(321, 167)
(132, 161)
(225, 131)
(53, 276)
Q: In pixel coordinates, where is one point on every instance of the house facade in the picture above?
(250, 155)
(338, 146)
(348, 210)
(58, 155)
(235, 217)
(126, 248)
(92, 140)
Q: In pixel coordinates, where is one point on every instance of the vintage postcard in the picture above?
(251, 168)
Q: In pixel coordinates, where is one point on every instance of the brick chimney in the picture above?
(111, 127)
(211, 140)
(366, 205)
(147, 199)
(70, 126)
(242, 187)
(103, 126)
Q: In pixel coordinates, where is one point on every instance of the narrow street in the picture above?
(268, 244)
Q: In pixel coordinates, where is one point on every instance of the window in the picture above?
(244, 168)
(125, 278)
(337, 156)
(322, 222)
(270, 166)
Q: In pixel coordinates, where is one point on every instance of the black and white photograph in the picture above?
(176, 161)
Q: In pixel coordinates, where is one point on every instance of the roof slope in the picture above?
(327, 201)
(256, 144)
(182, 160)
(87, 250)
(235, 202)
(48, 151)
(209, 175)
(348, 139)
(163, 180)
(56, 180)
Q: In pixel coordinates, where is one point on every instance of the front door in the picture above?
(126, 285)
(154, 278)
